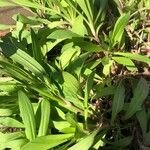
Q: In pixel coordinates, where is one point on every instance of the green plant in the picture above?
(62, 89)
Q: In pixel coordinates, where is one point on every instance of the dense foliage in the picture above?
(75, 75)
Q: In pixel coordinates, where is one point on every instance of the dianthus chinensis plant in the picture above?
(60, 87)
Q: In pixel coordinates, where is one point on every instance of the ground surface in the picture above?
(7, 13)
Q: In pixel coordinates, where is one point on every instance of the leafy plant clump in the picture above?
(75, 75)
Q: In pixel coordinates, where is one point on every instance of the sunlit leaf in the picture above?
(62, 34)
(118, 30)
(68, 56)
(10, 49)
(10, 122)
(85, 143)
(78, 26)
(45, 117)
(88, 88)
(25, 20)
(27, 115)
(126, 62)
(36, 50)
(6, 27)
(71, 89)
(134, 56)
(7, 139)
(47, 142)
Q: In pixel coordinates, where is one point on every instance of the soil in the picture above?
(6, 16)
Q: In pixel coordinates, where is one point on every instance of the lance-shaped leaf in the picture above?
(71, 89)
(36, 49)
(78, 26)
(10, 122)
(142, 118)
(139, 95)
(118, 31)
(6, 27)
(27, 115)
(126, 62)
(62, 34)
(15, 71)
(47, 142)
(45, 116)
(85, 143)
(12, 140)
(10, 49)
(118, 101)
(88, 87)
(134, 56)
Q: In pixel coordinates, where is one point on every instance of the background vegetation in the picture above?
(75, 75)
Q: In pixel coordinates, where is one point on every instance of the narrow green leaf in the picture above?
(15, 71)
(85, 143)
(142, 118)
(16, 144)
(37, 6)
(87, 72)
(10, 122)
(6, 27)
(139, 95)
(6, 139)
(88, 87)
(119, 29)
(10, 50)
(85, 9)
(60, 125)
(72, 120)
(78, 26)
(125, 61)
(134, 56)
(47, 142)
(25, 20)
(98, 140)
(30, 4)
(68, 55)
(7, 111)
(107, 63)
(71, 89)
(60, 113)
(62, 34)
(36, 50)
(45, 117)
(118, 101)
(104, 91)
(53, 24)
(87, 46)
(8, 85)
(68, 130)
(76, 65)
(27, 115)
